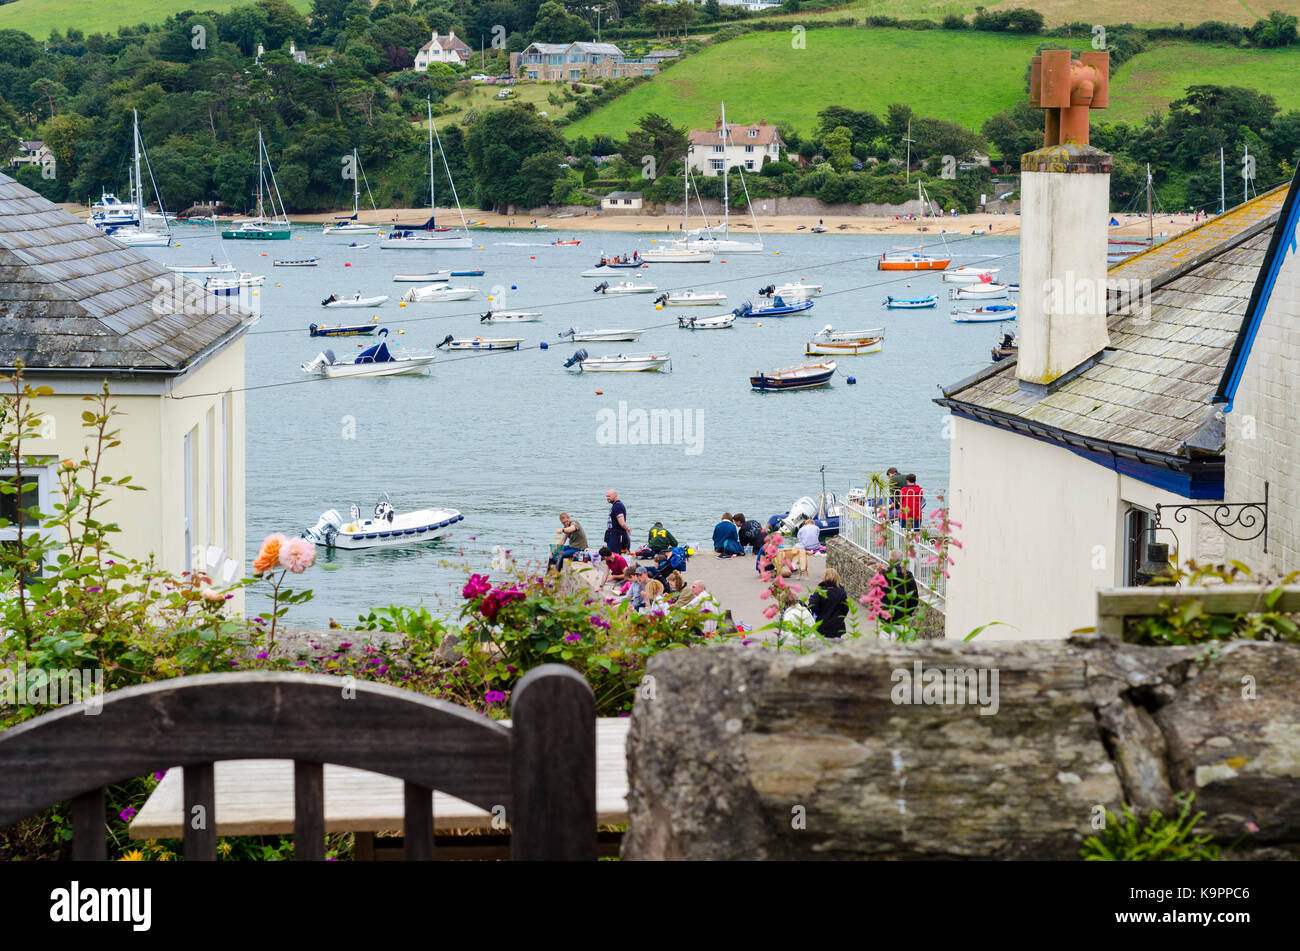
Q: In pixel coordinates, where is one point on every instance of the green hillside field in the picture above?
(961, 77)
(39, 17)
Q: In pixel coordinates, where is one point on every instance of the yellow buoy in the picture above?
(659, 306)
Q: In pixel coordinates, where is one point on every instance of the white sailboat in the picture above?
(721, 241)
(676, 252)
(429, 237)
(260, 227)
(137, 235)
(350, 227)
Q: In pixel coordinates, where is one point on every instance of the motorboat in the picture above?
(618, 363)
(623, 287)
(826, 512)
(613, 265)
(718, 322)
(691, 298)
(989, 314)
(343, 330)
(376, 360)
(672, 255)
(803, 377)
(910, 303)
(438, 293)
(556, 244)
(358, 301)
(1009, 347)
(969, 275)
(111, 211)
(906, 259)
(299, 262)
(979, 292)
(510, 317)
(482, 343)
(428, 277)
(245, 279)
(831, 341)
(778, 308)
(800, 291)
(477, 273)
(601, 336)
(386, 529)
(213, 268)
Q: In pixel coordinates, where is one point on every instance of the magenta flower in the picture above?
(494, 696)
(127, 814)
(572, 638)
(263, 655)
(597, 621)
(158, 776)
(477, 586)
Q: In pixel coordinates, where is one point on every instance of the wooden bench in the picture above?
(540, 772)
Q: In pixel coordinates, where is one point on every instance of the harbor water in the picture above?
(512, 438)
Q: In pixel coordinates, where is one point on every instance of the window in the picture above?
(37, 491)
(753, 133)
(749, 165)
(716, 164)
(749, 148)
(627, 201)
(1137, 531)
(189, 500)
(719, 148)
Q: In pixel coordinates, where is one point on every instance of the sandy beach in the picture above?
(1131, 226)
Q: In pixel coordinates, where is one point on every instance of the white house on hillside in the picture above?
(748, 146)
(78, 309)
(446, 49)
(1069, 459)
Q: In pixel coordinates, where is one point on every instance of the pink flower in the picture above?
(297, 554)
(765, 594)
(476, 586)
(770, 611)
(1251, 827)
(796, 588)
(210, 595)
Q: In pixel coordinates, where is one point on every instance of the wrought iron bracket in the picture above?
(1244, 521)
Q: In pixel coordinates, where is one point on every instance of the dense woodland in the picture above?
(202, 96)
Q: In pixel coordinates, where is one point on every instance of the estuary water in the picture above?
(511, 439)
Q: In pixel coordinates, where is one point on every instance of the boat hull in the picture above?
(306, 262)
(427, 243)
(364, 302)
(707, 323)
(918, 304)
(917, 264)
(611, 336)
(409, 528)
(498, 344)
(837, 347)
(624, 364)
(520, 317)
(701, 301)
(796, 308)
(680, 257)
(432, 277)
(349, 231)
(408, 367)
(355, 330)
(786, 380)
(270, 234)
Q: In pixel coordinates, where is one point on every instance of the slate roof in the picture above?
(72, 298)
(632, 195)
(1151, 392)
(737, 135)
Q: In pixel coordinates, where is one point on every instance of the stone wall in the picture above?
(856, 568)
(810, 207)
(745, 754)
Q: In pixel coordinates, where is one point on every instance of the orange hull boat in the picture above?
(917, 263)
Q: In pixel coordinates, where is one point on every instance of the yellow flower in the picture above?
(135, 855)
(164, 855)
(223, 847)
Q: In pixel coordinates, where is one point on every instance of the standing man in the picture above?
(909, 504)
(896, 483)
(571, 539)
(618, 537)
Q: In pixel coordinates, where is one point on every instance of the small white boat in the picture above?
(969, 275)
(671, 255)
(978, 232)
(376, 360)
(358, 301)
(719, 322)
(800, 291)
(691, 298)
(624, 287)
(429, 277)
(978, 292)
(134, 237)
(300, 262)
(602, 336)
(510, 317)
(910, 303)
(482, 343)
(358, 246)
(437, 293)
(213, 268)
(619, 363)
(830, 333)
(992, 314)
(831, 341)
(243, 280)
(386, 529)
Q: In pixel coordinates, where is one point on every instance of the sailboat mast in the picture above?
(137, 186)
(726, 168)
(356, 186)
(686, 193)
(1222, 206)
(433, 204)
(1151, 229)
(261, 174)
(1245, 168)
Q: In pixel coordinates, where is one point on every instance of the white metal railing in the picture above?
(878, 536)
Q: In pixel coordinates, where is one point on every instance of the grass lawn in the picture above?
(484, 97)
(1058, 12)
(1153, 79)
(962, 77)
(39, 17)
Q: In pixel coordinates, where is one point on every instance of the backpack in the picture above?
(677, 558)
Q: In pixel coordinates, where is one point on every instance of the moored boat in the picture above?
(980, 291)
(1007, 348)
(343, 330)
(481, 343)
(386, 529)
(778, 308)
(298, 262)
(260, 227)
(804, 377)
(902, 259)
(213, 268)
(376, 360)
(428, 277)
(989, 314)
(691, 298)
(910, 303)
(718, 322)
(619, 363)
(439, 293)
(429, 237)
(671, 255)
(969, 275)
(829, 342)
(602, 336)
(358, 301)
(244, 279)
(800, 291)
(623, 287)
(510, 317)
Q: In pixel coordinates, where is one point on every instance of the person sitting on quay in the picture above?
(809, 536)
(653, 597)
(701, 600)
(829, 604)
(659, 540)
(634, 591)
(615, 567)
(749, 532)
(726, 538)
(674, 585)
(570, 538)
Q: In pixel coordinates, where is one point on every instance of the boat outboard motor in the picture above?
(662, 299)
(329, 300)
(601, 287)
(312, 329)
(767, 291)
(572, 331)
(485, 318)
(576, 358)
(802, 510)
(323, 359)
(445, 340)
(325, 529)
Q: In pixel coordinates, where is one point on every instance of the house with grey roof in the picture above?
(567, 62)
(78, 310)
(1061, 478)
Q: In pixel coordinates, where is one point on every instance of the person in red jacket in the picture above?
(909, 504)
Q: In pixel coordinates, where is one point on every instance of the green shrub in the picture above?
(1159, 839)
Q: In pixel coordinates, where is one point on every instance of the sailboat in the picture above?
(347, 227)
(137, 235)
(259, 227)
(914, 259)
(429, 237)
(706, 239)
(677, 252)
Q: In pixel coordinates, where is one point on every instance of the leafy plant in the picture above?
(1188, 622)
(1160, 839)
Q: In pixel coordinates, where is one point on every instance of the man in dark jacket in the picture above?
(750, 532)
(901, 597)
(829, 604)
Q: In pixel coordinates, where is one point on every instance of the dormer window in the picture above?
(753, 133)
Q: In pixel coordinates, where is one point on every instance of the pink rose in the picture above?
(297, 554)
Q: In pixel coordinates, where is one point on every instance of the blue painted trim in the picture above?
(1259, 297)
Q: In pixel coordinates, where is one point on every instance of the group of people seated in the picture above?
(734, 533)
